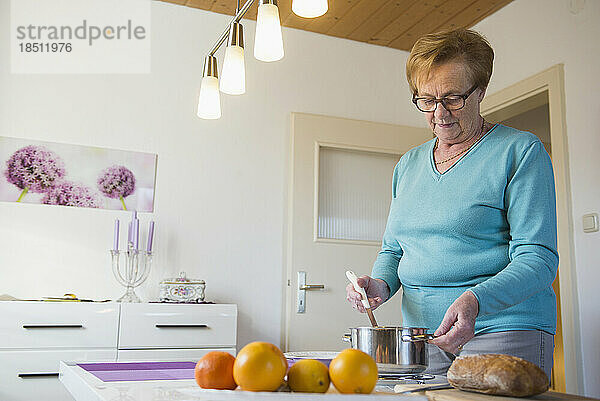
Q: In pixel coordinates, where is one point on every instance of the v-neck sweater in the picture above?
(486, 225)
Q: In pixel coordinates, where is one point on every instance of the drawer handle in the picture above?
(37, 375)
(178, 326)
(53, 326)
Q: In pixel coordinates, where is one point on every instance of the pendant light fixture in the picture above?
(209, 102)
(309, 8)
(268, 43)
(233, 75)
(268, 46)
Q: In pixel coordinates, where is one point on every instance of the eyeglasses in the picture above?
(450, 103)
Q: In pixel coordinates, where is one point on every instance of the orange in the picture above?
(215, 370)
(259, 366)
(308, 376)
(353, 371)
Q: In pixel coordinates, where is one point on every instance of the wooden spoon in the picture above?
(365, 301)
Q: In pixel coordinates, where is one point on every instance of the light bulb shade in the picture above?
(210, 67)
(233, 75)
(309, 8)
(236, 35)
(268, 42)
(209, 102)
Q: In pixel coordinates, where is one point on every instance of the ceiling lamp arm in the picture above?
(238, 16)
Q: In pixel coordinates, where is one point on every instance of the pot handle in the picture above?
(417, 337)
(346, 337)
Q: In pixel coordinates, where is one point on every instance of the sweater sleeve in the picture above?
(531, 214)
(386, 264)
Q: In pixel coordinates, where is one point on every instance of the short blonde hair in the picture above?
(435, 49)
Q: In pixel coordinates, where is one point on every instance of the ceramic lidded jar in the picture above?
(182, 289)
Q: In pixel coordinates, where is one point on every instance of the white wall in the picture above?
(529, 36)
(221, 185)
(535, 120)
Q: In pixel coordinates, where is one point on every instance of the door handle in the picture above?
(302, 288)
(312, 287)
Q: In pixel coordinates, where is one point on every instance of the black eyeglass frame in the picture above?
(442, 100)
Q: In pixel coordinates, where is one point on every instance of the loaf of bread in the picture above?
(497, 374)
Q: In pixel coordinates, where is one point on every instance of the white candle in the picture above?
(129, 234)
(116, 238)
(136, 233)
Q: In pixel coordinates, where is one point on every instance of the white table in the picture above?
(86, 387)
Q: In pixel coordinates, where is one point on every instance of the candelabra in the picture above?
(137, 264)
(133, 272)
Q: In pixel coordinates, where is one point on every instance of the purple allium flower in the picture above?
(34, 168)
(117, 182)
(67, 193)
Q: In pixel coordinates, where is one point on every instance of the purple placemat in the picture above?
(292, 360)
(140, 371)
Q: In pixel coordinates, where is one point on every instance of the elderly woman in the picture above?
(471, 234)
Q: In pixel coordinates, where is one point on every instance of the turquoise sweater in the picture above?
(488, 225)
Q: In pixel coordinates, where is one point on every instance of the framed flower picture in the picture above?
(73, 175)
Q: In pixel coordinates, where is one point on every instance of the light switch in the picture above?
(590, 222)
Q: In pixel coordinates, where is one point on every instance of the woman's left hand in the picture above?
(458, 325)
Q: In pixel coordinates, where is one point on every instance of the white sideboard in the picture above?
(35, 336)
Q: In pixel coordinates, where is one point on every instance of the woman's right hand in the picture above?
(377, 292)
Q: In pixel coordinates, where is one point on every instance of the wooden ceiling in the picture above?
(392, 23)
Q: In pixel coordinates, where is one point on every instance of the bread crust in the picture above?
(497, 374)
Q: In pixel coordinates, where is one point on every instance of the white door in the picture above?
(339, 199)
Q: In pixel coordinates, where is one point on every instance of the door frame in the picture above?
(551, 81)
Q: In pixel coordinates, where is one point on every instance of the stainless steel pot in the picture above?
(395, 349)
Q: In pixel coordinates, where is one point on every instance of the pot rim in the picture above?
(388, 328)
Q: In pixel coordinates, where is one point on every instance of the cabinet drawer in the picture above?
(177, 326)
(33, 375)
(167, 355)
(58, 324)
